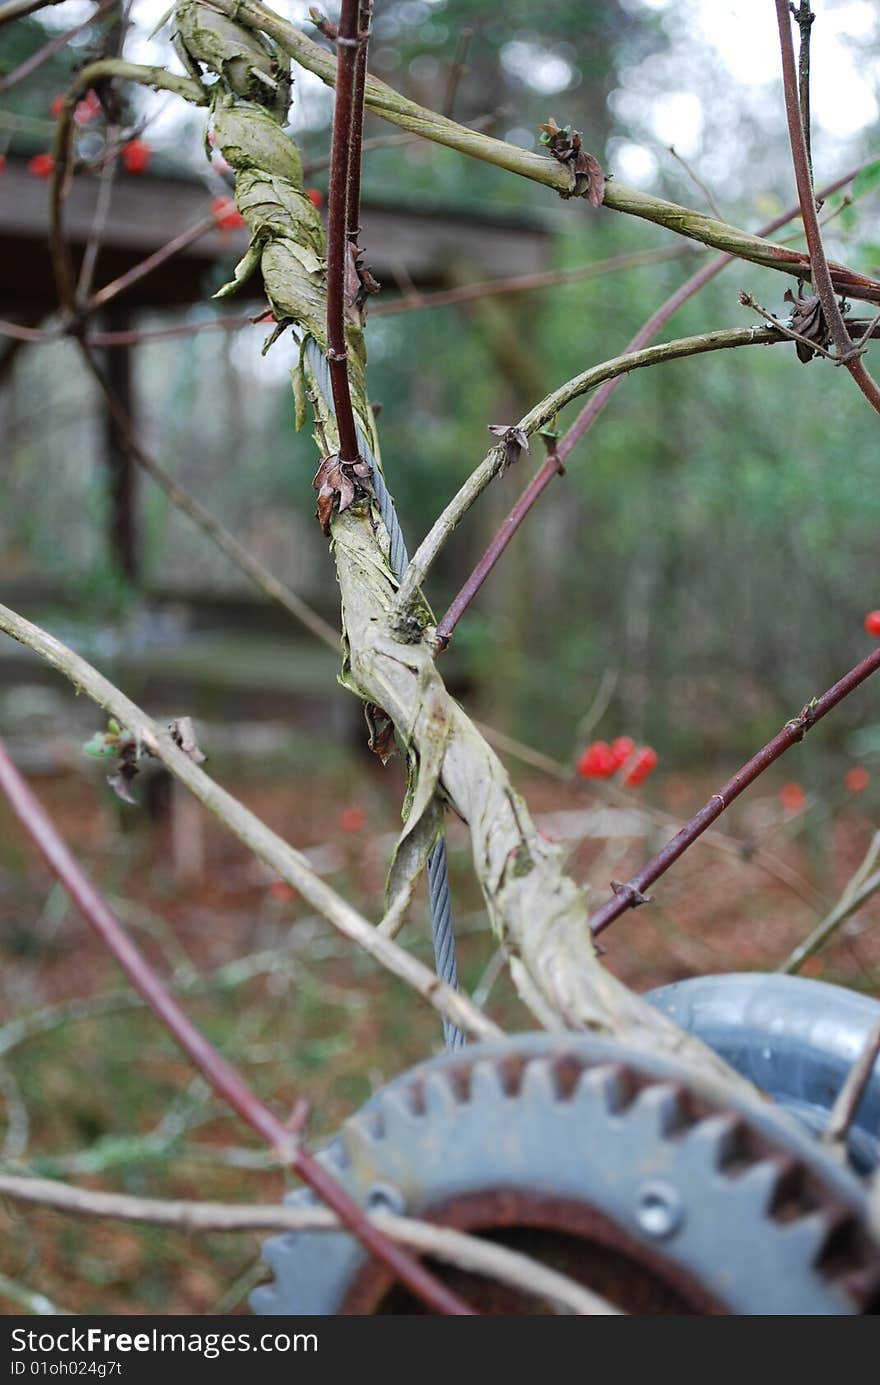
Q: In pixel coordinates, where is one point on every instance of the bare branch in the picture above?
(628, 895)
(859, 889)
(210, 1063)
(48, 50)
(219, 535)
(88, 76)
(284, 860)
(139, 271)
(695, 178)
(748, 301)
(29, 1299)
(844, 1110)
(344, 180)
(20, 9)
(591, 412)
(383, 101)
(820, 271)
(526, 283)
(538, 417)
(440, 1242)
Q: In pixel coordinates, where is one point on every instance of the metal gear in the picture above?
(796, 1039)
(620, 1170)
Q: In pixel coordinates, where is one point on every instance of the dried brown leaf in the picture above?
(585, 172)
(183, 734)
(514, 439)
(808, 319)
(339, 483)
(381, 729)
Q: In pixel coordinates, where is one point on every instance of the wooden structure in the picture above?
(418, 244)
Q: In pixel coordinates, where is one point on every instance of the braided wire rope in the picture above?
(442, 932)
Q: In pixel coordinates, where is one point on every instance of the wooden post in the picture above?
(122, 536)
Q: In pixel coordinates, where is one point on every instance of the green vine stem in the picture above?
(385, 102)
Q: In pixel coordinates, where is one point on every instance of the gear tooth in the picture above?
(335, 1157)
(487, 1084)
(266, 1301)
(539, 1085)
(366, 1128)
(441, 1102)
(606, 1086)
(276, 1250)
(659, 1111)
(714, 1143)
(757, 1187)
(399, 1114)
(806, 1239)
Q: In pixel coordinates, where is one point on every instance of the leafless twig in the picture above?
(442, 1243)
(224, 1079)
(847, 1103)
(632, 893)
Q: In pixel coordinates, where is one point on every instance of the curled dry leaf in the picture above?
(340, 481)
(585, 171)
(514, 439)
(807, 318)
(183, 734)
(381, 732)
(359, 281)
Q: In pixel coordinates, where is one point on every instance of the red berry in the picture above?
(136, 156)
(646, 762)
(279, 889)
(352, 819)
(2, 162)
(41, 166)
(597, 761)
(621, 749)
(56, 106)
(857, 779)
(226, 214)
(872, 623)
(315, 196)
(87, 109)
(793, 798)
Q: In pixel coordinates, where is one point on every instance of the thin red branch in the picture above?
(590, 413)
(526, 283)
(457, 71)
(146, 266)
(348, 46)
(19, 332)
(633, 892)
(181, 329)
(820, 273)
(536, 487)
(48, 50)
(222, 1077)
(356, 139)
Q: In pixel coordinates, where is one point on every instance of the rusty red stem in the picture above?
(356, 141)
(211, 1064)
(632, 893)
(151, 262)
(591, 411)
(347, 50)
(820, 273)
(536, 487)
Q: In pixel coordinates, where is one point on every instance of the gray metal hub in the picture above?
(620, 1169)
